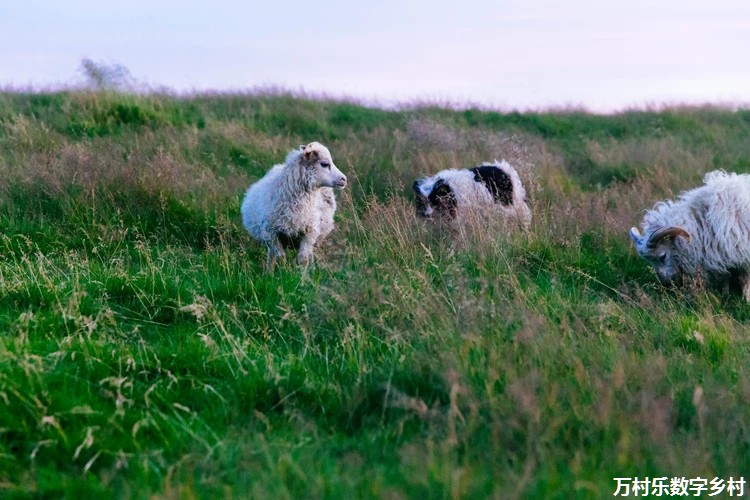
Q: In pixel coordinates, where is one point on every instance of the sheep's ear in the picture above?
(668, 233)
(635, 235)
(311, 154)
(302, 147)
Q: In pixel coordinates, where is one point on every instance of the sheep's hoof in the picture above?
(305, 259)
(746, 289)
(270, 265)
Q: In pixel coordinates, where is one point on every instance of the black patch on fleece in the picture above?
(442, 198)
(496, 181)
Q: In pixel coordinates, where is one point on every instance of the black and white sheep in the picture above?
(706, 231)
(292, 206)
(491, 188)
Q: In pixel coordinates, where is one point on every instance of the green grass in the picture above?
(143, 350)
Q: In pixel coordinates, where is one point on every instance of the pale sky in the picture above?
(515, 54)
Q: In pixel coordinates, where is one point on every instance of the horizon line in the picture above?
(395, 105)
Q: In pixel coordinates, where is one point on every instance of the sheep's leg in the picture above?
(275, 251)
(745, 280)
(270, 259)
(305, 253)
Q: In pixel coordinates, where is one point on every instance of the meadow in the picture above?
(144, 351)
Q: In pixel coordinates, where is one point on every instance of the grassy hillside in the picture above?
(144, 351)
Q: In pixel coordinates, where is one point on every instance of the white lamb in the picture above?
(293, 204)
(706, 230)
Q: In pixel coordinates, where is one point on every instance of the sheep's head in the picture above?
(434, 198)
(660, 250)
(319, 166)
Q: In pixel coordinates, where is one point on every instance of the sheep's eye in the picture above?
(325, 164)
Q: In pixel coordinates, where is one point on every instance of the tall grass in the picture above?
(145, 352)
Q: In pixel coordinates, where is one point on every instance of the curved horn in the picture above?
(664, 233)
(635, 235)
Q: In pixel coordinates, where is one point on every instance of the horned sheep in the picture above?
(491, 188)
(705, 232)
(293, 205)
